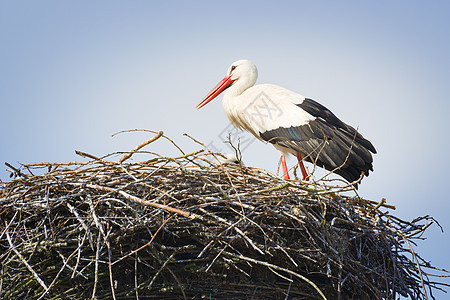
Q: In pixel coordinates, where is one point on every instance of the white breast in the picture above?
(265, 107)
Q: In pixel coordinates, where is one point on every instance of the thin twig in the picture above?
(128, 155)
(263, 263)
(36, 276)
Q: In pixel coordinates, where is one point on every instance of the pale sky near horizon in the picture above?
(75, 72)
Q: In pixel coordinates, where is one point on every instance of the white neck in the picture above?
(241, 84)
(231, 100)
(244, 74)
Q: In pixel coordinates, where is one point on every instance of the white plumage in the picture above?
(292, 123)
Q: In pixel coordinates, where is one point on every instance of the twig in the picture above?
(97, 255)
(419, 270)
(138, 200)
(160, 269)
(36, 276)
(146, 130)
(128, 155)
(146, 245)
(84, 154)
(263, 263)
(109, 263)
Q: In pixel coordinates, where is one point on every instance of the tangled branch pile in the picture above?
(185, 227)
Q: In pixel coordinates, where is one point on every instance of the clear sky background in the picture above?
(72, 73)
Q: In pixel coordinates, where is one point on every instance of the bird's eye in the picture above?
(232, 68)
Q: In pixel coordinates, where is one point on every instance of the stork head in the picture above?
(241, 75)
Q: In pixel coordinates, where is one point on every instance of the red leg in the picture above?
(284, 166)
(302, 167)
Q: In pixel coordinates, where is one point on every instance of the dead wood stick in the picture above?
(136, 276)
(152, 131)
(65, 262)
(148, 244)
(128, 155)
(380, 203)
(234, 226)
(267, 190)
(84, 154)
(189, 154)
(383, 201)
(45, 164)
(109, 263)
(97, 255)
(160, 269)
(269, 265)
(12, 167)
(139, 200)
(83, 224)
(419, 270)
(41, 282)
(421, 229)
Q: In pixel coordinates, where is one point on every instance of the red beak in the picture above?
(219, 88)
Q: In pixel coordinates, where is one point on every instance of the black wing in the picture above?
(326, 141)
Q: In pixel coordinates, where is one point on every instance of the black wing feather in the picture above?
(327, 141)
(321, 112)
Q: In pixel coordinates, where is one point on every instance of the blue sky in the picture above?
(75, 72)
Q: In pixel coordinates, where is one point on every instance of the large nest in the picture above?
(190, 227)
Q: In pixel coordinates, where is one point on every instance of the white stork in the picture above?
(292, 123)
